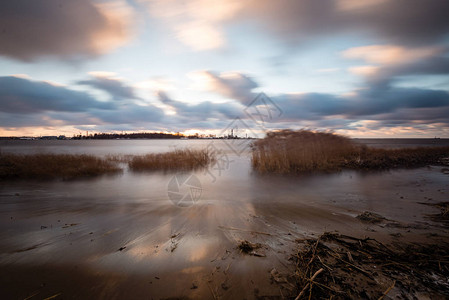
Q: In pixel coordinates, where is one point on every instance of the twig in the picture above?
(227, 268)
(212, 291)
(354, 266)
(387, 291)
(319, 258)
(29, 297)
(309, 283)
(53, 297)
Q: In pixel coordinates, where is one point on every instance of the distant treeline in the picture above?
(145, 135)
(127, 136)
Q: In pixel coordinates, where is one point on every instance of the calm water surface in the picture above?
(85, 223)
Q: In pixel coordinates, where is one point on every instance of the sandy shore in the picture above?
(70, 247)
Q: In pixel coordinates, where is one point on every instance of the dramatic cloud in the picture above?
(233, 85)
(390, 54)
(203, 110)
(19, 95)
(25, 103)
(200, 23)
(366, 103)
(196, 23)
(394, 62)
(69, 29)
(117, 89)
(404, 22)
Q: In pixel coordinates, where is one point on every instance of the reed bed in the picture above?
(49, 166)
(181, 159)
(289, 151)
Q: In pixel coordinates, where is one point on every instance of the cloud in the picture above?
(364, 104)
(364, 70)
(19, 95)
(203, 110)
(391, 54)
(196, 23)
(404, 22)
(395, 61)
(26, 103)
(200, 24)
(233, 85)
(115, 87)
(200, 36)
(30, 30)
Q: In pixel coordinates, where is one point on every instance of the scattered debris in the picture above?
(249, 248)
(370, 217)
(225, 286)
(344, 267)
(277, 277)
(70, 225)
(173, 246)
(173, 242)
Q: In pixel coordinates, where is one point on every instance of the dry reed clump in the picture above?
(336, 266)
(48, 166)
(288, 151)
(183, 160)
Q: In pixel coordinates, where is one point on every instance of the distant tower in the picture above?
(232, 132)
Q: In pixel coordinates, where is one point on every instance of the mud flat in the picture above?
(248, 235)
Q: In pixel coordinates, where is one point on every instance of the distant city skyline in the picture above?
(372, 68)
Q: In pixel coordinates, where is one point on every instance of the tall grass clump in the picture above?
(48, 166)
(288, 151)
(177, 160)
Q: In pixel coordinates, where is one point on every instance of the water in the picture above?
(66, 231)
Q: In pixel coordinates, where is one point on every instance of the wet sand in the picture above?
(122, 238)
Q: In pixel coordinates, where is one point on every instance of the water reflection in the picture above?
(87, 221)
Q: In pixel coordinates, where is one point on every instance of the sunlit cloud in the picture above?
(120, 20)
(390, 54)
(68, 29)
(102, 74)
(364, 70)
(198, 23)
(200, 36)
(354, 5)
(156, 84)
(23, 76)
(231, 85)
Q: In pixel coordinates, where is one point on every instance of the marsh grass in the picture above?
(181, 159)
(49, 166)
(288, 151)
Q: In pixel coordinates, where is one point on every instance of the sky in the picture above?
(371, 68)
